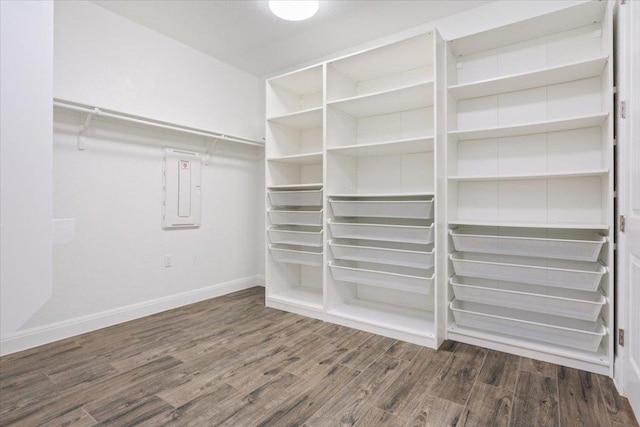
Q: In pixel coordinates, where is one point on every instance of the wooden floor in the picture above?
(231, 361)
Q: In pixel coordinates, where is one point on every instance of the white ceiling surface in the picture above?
(245, 34)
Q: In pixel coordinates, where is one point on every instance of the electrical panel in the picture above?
(181, 173)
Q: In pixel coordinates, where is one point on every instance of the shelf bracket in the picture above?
(85, 127)
(210, 148)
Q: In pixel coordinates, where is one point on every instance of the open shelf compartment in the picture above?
(416, 280)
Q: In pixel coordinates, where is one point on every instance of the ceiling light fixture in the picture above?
(294, 10)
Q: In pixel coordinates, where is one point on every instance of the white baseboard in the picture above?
(40, 335)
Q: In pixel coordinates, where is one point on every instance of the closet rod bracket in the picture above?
(85, 127)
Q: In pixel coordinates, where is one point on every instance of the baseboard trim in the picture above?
(40, 335)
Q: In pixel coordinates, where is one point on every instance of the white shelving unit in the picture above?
(428, 191)
(294, 175)
(381, 189)
(530, 187)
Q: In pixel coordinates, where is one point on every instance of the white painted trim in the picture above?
(33, 337)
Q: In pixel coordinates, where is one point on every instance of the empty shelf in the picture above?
(296, 235)
(299, 217)
(387, 148)
(515, 82)
(555, 301)
(578, 275)
(299, 159)
(385, 232)
(305, 297)
(296, 198)
(306, 119)
(312, 186)
(418, 209)
(404, 319)
(383, 278)
(523, 245)
(541, 175)
(580, 334)
(405, 98)
(523, 224)
(296, 256)
(383, 255)
(532, 128)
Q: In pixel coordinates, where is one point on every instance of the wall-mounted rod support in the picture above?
(154, 123)
(85, 127)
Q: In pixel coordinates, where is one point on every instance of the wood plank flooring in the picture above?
(232, 362)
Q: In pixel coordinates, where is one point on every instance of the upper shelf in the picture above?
(515, 82)
(299, 159)
(415, 52)
(567, 18)
(386, 148)
(308, 80)
(306, 119)
(532, 128)
(409, 97)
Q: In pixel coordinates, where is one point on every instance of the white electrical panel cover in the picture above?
(181, 188)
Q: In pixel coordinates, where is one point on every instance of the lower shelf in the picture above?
(578, 334)
(597, 362)
(309, 298)
(402, 319)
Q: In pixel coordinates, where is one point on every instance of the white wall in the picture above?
(26, 79)
(114, 63)
(113, 268)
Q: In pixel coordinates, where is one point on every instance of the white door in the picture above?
(629, 201)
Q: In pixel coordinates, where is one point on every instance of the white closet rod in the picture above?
(155, 123)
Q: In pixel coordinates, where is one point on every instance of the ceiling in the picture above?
(246, 35)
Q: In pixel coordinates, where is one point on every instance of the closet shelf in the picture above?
(399, 318)
(540, 26)
(586, 249)
(296, 235)
(296, 198)
(597, 361)
(543, 175)
(580, 122)
(304, 297)
(379, 195)
(297, 256)
(409, 97)
(384, 232)
(579, 334)
(383, 278)
(415, 209)
(555, 301)
(296, 217)
(305, 119)
(387, 148)
(529, 80)
(299, 159)
(577, 275)
(382, 255)
(561, 225)
(312, 186)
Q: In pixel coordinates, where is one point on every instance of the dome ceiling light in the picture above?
(294, 10)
